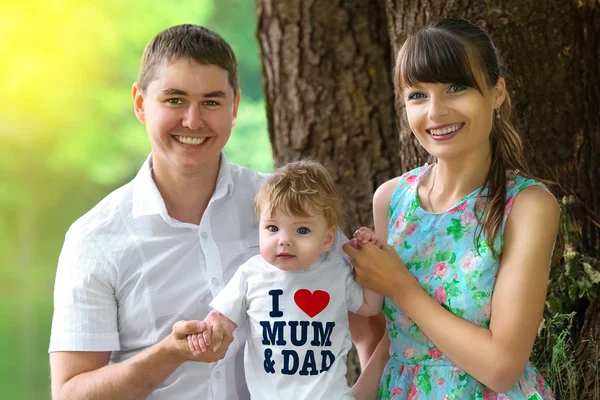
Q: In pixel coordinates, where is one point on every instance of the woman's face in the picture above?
(451, 120)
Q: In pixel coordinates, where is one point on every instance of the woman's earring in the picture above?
(498, 113)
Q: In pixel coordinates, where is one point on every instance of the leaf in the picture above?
(480, 295)
(389, 312)
(476, 275)
(442, 256)
(456, 229)
(571, 287)
(453, 291)
(554, 304)
(406, 245)
(591, 272)
(424, 383)
(458, 312)
(453, 258)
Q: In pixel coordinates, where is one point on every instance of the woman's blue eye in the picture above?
(303, 230)
(416, 95)
(272, 228)
(457, 88)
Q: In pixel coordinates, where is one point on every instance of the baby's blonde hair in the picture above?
(301, 188)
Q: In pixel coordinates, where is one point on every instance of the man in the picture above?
(157, 250)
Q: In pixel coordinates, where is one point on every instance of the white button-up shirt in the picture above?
(127, 272)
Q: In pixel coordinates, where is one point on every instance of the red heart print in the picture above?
(311, 303)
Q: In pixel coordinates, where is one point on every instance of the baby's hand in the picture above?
(199, 342)
(363, 236)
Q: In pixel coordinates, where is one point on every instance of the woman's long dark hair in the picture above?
(459, 52)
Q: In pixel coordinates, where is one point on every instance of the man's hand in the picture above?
(179, 346)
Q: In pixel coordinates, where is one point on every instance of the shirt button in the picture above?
(217, 374)
(204, 235)
(215, 282)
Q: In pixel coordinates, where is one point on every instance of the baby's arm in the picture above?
(373, 301)
(216, 323)
(228, 312)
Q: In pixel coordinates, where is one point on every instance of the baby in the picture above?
(294, 296)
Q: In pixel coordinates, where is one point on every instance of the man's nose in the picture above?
(192, 118)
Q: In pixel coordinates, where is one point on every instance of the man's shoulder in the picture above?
(105, 217)
(246, 177)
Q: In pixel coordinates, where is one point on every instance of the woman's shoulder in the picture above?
(529, 202)
(516, 182)
(389, 192)
(527, 189)
(407, 179)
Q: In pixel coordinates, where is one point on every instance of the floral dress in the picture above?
(439, 250)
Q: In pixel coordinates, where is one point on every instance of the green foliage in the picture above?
(576, 277)
(573, 281)
(69, 136)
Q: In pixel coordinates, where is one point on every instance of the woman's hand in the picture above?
(380, 269)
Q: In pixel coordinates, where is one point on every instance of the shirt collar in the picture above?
(147, 200)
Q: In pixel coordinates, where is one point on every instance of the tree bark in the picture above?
(328, 85)
(551, 61)
(329, 95)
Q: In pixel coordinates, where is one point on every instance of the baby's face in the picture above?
(293, 243)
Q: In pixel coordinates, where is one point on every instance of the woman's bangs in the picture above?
(434, 56)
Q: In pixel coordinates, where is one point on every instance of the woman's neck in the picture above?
(455, 178)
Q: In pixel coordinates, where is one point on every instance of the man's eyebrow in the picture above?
(172, 91)
(179, 92)
(216, 93)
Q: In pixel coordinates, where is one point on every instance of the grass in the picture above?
(555, 356)
(25, 318)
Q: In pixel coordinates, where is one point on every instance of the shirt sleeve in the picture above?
(231, 301)
(354, 292)
(339, 241)
(85, 306)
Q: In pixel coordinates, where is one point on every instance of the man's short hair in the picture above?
(301, 188)
(189, 41)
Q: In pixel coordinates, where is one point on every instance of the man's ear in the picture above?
(236, 103)
(138, 102)
(329, 238)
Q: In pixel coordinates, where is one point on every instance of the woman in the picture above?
(470, 238)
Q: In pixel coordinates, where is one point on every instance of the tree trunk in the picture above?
(552, 64)
(329, 96)
(328, 86)
(551, 61)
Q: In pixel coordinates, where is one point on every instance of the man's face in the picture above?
(189, 110)
(293, 243)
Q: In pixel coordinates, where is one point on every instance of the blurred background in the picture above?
(68, 137)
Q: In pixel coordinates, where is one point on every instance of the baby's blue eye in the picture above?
(272, 228)
(303, 230)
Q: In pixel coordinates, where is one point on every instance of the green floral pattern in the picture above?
(441, 252)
